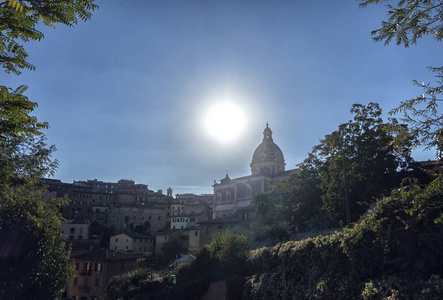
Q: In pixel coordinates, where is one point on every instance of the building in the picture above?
(92, 271)
(187, 220)
(152, 216)
(267, 165)
(432, 167)
(76, 230)
(135, 242)
(164, 237)
(190, 198)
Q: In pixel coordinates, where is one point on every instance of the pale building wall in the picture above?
(73, 231)
(120, 242)
(194, 240)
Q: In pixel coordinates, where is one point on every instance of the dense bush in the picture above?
(138, 284)
(395, 252)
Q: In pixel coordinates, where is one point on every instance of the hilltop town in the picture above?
(113, 224)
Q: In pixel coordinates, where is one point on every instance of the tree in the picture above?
(34, 257)
(364, 147)
(172, 248)
(294, 203)
(407, 22)
(18, 21)
(303, 193)
(24, 155)
(423, 117)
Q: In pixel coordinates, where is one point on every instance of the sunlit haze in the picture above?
(174, 93)
(225, 122)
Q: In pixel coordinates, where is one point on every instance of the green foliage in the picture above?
(228, 246)
(229, 250)
(24, 155)
(375, 156)
(191, 282)
(365, 148)
(270, 207)
(407, 22)
(138, 284)
(396, 252)
(18, 21)
(422, 115)
(35, 262)
(35, 258)
(193, 279)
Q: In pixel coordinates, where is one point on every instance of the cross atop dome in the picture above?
(267, 133)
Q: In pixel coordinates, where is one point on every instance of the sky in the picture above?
(128, 93)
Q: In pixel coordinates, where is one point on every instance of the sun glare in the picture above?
(225, 122)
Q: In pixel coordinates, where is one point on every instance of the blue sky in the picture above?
(125, 93)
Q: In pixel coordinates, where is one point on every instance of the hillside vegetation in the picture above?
(396, 253)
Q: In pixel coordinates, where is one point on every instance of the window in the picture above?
(122, 267)
(248, 192)
(97, 281)
(116, 240)
(196, 233)
(228, 196)
(97, 267)
(86, 266)
(75, 280)
(77, 265)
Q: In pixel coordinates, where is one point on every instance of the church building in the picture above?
(268, 164)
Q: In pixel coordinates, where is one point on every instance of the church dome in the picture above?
(268, 158)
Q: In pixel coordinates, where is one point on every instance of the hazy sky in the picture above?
(126, 93)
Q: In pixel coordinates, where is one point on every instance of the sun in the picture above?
(225, 122)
